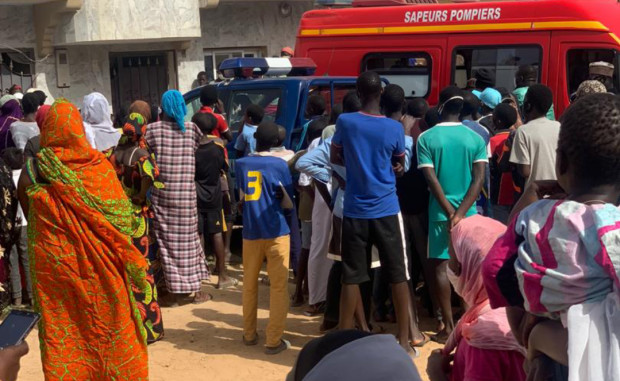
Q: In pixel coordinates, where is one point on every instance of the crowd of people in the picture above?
(499, 220)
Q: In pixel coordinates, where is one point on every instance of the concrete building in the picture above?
(135, 49)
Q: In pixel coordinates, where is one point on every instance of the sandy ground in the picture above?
(203, 342)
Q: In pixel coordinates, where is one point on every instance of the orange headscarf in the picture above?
(82, 259)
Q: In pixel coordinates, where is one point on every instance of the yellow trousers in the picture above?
(277, 252)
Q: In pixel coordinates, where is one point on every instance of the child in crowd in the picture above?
(502, 191)
(559, 259)
(266, 190)
(246, 143)
(14, 158)
(211, 163)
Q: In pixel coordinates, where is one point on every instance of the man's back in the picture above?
(535, 145)
(258, 177)
(369, 143)
(451, 149)
(210, 162)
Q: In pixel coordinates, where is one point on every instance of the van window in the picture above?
(578, 63)
(504, 61)
(340, 90)
(411, 70)
(269, 99)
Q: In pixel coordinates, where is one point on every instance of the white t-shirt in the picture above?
(22, 131)
(535, 145)
(20, 212)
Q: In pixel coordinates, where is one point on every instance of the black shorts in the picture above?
(211, 222)
(358, 237)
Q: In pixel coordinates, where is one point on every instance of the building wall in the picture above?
(129, 20)
(251, 24)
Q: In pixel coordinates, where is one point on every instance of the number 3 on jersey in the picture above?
(255, 182)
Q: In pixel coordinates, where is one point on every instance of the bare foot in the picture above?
(202, 297)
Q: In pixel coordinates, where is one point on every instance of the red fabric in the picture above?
(506, 188)
(222, 126)
(475, 364)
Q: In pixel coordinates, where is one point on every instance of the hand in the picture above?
(399, 170)
(407, 123)
(9, 361)
(454, 220)
(439, 366)
(138, 200)
(219, 107)
(549, 189)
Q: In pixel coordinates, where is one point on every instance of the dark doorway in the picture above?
(142, 76)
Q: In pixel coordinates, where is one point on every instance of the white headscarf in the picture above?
(98, 126)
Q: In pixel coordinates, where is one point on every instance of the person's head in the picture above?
(369, 87)
(393, 100)
(267, 136)
(450, 103)
(351, 102)
(254, 114)
(202, 78)
(13, 157)
(537, 102)
(336, 111)
(417, 107)
(142, 108)
(431, 119)
(42, 96)
(281, 136)
(96, 110)
(603, 72)
(135, 128)
(11, 107)
(502, 91)
(484, 78)
(287, 51)
(64, 128)
(526, 76)
(471, 106)
(504, 116)
(205, 122)
(489, 99)
(15, 89)
(316, 127)
(471, 241)
(208, 95)
(174, 108)
(315, 106)
(588, 152)
(120, 116)
(353, 355)
(589, 87)
(30, 104)
(155, 113)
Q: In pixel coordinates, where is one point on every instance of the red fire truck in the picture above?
(425, 47)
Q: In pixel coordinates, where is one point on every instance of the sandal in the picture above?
(230, 283)
(202, 297)
(425, 339)
(315, 310)
(284, 345)
(254, 341)
(440, 337)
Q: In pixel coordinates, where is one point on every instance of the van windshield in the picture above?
(578, 64)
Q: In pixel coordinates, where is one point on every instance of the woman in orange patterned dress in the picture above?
(82, 258)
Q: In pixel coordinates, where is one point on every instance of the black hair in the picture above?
(484, 78)
(539, 97)
(471, 105)
(281, 135)
(267, 134)
(506, 114)
(255, 113)
(206, 122)
(351, 102)
(154, 113)
(121, 117)
(202, 73)
(503, 91)
(590, 139)
(454, 106)
(208, 95)
(30, 103)
(417, 107)
(431, 119)
(336, 111)
(605, 80)
(526, 73)
(13, 157)
(392, 99)
(369, 85)
(316, 105)
(42, 96)
(316, 127)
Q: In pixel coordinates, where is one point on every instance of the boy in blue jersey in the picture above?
(368, 144)
(246, 142)
(266, 189)
(453, 159)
